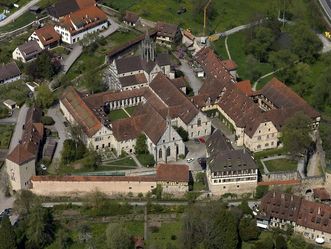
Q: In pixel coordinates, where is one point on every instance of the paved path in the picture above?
(5, 202)
(126, 112)
(227, 48)
(193, 80)
(12, 119)
(73, 56)
(18, 13)
(55, 113)
(326, 5)
(136, 160)
(17, 135)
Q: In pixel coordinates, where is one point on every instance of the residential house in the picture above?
(311, 219)
(9, 73)
(131, 19)
(74, 26)
(46, 37)
(229, 170)
(174, 179)
(21, 161)
(255, 117)
(167, 34)
(27, 51)
(158, 109)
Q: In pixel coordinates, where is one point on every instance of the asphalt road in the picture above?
(326, 5)
(17, 135)
(18, 13)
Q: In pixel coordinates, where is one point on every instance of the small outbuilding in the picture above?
(10, 104)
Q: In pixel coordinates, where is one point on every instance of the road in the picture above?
(190, 75)
(326, 5)
(17, 135)
(12, 119)
(18, 13)
(55, 113)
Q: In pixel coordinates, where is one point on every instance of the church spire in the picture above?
(148, 48)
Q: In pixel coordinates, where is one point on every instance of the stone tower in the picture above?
(148, 48)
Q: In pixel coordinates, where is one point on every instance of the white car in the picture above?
(189, 160)
(43, 167)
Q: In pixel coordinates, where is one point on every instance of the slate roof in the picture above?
(65, 7)
(47, 35)
(9, 71)
(131, 80)
(130, 17)
(30, 49)
(179, 82)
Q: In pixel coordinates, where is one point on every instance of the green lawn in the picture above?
(117, 114)
(6, 132)
(144, 159)
(281, 165)
(237, 46)
(168, 234)
(23, 20)
(128, 161)
(16, 91)
(130, 110)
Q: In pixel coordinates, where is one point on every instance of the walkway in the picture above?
(18, 13)
(124, 110)
(227, 48)
(264, 76)
(135, 159)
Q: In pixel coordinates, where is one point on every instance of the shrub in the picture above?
(47, 120)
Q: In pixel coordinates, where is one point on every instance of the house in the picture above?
(74, 26)
(311, 219)
(131, 19)
(158, 109)
(167, 34)
(46, 37)
(138, 71)
(174, 179)
(255, 117)
(229, 170)
(187, 38)
(9, 73)
(27, 51)
(65, 7)
(21, 161)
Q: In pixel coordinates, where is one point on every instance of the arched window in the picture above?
(199, 122)
(168, 151)
(160, 153)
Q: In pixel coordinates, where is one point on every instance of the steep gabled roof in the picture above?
(130, 17)
(30, 49)
(80, 111)
(166, 29)
(47, 35)
(172, 173)
(9, 71)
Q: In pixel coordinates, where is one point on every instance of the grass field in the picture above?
(16, 91)
(6, 132)
(128, 161)
(117, 114)
(281, 165)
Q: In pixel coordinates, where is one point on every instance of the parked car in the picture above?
(189, 160)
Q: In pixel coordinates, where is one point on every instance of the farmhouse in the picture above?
(9, 73)
(131, 19)
(311, 219)
(167, 34)
(27, 51)
(21, 161)
(257, 117)
(158, 109)
(46, 37)
(74, 26)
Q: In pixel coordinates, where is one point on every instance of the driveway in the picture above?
(18, 13)
(17, 135)
(5, 202)
(190, 75)
(195, 150)
(11, 120)
(55, 113)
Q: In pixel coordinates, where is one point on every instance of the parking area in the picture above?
(196, 150)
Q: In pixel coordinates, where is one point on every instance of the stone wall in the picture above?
(281, 176)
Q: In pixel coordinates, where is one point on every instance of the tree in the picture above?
(72, 151)
(25, 201)
(322, 90)
(245, 208)
(141, 145)
(304, 43)
(64, 239)
(254, 73)
(280, 242)
(93, 81)
(4, 183)
(7, 234)
(248, 229)
(296, 133)
(210, 226)
(261, 191)
(261, 43)
(40, 227)
(92, 160)
(45, 97)
(181, 132)
(157, 191)
(117, 237)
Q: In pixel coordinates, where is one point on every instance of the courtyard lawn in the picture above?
(144, 159)
(117, 114)
(130, 110)
(167, 235)
(6, 132)
(281, 165)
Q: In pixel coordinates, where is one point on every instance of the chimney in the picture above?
(319, 210)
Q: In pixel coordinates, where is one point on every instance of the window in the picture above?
(199, 122)
(168, 151)
(259, 138)
(130, 187)
(160, 153)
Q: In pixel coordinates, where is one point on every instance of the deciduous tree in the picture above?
(117, 237)
(7, 234)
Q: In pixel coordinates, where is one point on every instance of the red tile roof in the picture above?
(85, 3)
(245, 86)
(83, 19)
(321, 193)
(230, 65)
(130, 17)
(47, 35)
(172, 173)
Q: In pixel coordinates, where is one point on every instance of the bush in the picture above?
(181, 132)
(47, 120)
(261, 191)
